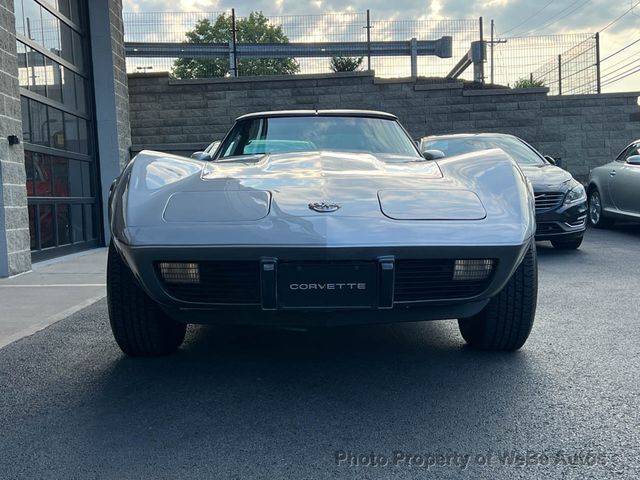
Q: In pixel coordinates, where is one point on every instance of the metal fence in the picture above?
(573, 71)
(219, 44)
(536, 58)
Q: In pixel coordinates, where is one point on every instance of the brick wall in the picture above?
(15, 255)
(583, 130)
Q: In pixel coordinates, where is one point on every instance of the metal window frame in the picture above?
(25, 91)
(53, 103)
(50, 55)
(63, 18)
(94, 202)
(33, 147)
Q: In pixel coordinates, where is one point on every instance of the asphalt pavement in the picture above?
(402, 401)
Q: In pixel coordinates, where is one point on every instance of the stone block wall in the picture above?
(15, 255)
(120, 80)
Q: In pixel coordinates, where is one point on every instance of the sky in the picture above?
(512, 18)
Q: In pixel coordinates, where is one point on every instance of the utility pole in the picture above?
(483, 55)
(368, 28)
(598, 80)
(493, 42)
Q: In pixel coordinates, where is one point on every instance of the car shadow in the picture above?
(628, 228)
(545, 249)
(300, 395)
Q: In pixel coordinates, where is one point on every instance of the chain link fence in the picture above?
(219, 44)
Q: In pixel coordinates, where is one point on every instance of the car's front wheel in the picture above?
(505, 323)
(572, 244)
(139, 326)
(596, 213)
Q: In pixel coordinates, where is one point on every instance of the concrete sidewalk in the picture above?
(52, 291)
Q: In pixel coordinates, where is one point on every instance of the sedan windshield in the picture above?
(378, 136)
(518, 150)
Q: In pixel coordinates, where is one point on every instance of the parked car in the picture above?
(317, 218)
(614, 189)
(561, 201)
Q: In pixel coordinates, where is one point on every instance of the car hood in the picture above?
(320, 165)
(546, 177)
(272, 199)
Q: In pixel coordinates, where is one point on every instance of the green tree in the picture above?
(345, 64)
(253, 29)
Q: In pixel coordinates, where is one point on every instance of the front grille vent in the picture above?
(221, 282)
(548, 200)
(238, 282)
(435, 279)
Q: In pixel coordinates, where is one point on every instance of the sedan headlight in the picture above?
(576, 193)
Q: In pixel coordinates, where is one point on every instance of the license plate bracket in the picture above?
(327, 285)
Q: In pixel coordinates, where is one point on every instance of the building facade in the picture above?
(65, 125)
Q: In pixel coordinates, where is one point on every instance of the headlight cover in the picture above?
(576, 193)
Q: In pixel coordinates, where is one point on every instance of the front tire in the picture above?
(572, 244)
(596, 212)
(505, 323)
(139, 326)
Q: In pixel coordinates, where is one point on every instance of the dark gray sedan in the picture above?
(561, 201)
(614, 189)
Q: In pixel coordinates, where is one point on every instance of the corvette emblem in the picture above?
(324, 207)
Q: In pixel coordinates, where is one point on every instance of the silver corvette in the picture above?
(320, 218)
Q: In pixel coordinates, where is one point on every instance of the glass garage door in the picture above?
(54, 74)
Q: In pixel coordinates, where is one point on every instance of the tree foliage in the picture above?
(528, 83)
(345, 64)
(253, 29)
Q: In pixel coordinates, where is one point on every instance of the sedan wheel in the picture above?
(596, 217)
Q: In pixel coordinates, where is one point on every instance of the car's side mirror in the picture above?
(550, 159)
(433, 154)
(204, 156)
(633, 160)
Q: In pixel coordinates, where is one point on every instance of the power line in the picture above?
(618, 51)
(620, 78)
(625, 72)
(622, 61)
(548, 22)
(566, 14)
(528, 18)
(622, 75)
(625, 13)
(611, 72)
